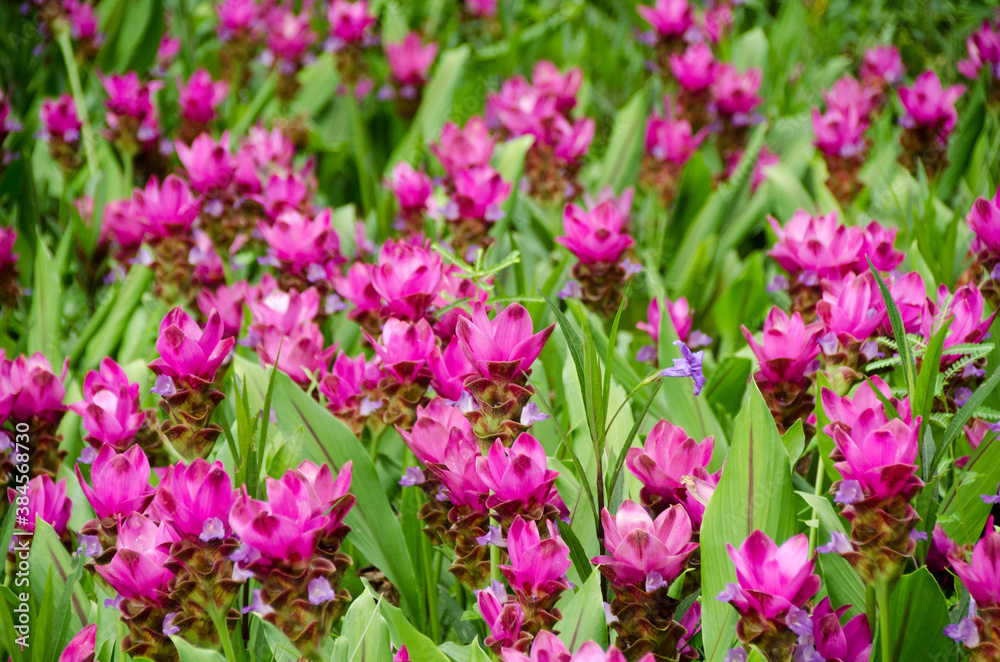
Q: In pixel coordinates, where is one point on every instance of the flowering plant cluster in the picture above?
(506, 331)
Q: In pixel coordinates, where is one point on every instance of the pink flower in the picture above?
(405, 348)
(695, 68)
(200, 97)
(816, 245)
(236, 16)
(121, 483)
(572, 139)
(303, 351)
(667, 456)
(848, 94)
(430, 433)
(30, 390)
(879, 455)
(966, 310)
(286, 311)
(481, 8)
(562, 87)
(59, 119)
(855, 312)
(81, 647)
(284, 192)
(120, 227)
(772, 579)
(983, 47)
(846, 411)
(110, 408)
(189, 353)
(981, 574)
(166, 211)
(546, 647)
(517, 476)
(503, 346)
(46, 500)
(984, 221)
(459, 149)
(879, 247)
(537, 568)
(228, 301)
(128, 96)
(412, 188)
(349, 20)
(503, 616)
(736, 94)
(839, 133)
(671, 140)
(670, 18)
(457, 470)
(930, 106)
(7, 255)
(197, 499)
(407, 276)
(910, 296)
(82, 21)
(289, 36)
(681, 316)
(596, 236)
(356, 286)
(409, 60)
(209, 165)
(450, 367)
(644, 553)
(137, 570)
(285, 527)
(851, 642)
(299, 241)
(328, 496)
(789, 349)
(882, 65)
(479, 193)
(344, 386)
(522, 109)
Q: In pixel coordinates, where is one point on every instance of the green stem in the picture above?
(220, 626)
(495, 563)
(870, 606)
(882, 595)
(62, 37)
(817, 490)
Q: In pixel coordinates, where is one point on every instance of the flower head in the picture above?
(195, 494)
(537, 568)
(200, 97)
(789, 348)
(695, 68)
(59, 119)
(209, 165)
(137, 570)
(930, 106)
(736, 94)
(882, 65)
(503, 347)
(110, 408)
(981, 574)
(412, 188)
(120, 483)
(30, 390)
(430, 433)
(816, 244)
(503, 616)
(461, 148)
(166, 211)
(597, 236)
(879, 456)
(407, 277)
(517, 476)
(640, 547)
(410, 60)
(772, 579)
(189, 353)
(349, 21)
(405, 348)
(46, 500)
(81, 647)
(670, 18)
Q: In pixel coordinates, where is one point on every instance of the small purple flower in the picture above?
(654, 580)
(531, 414)
(90, 546)
(689, 365)
(962, 396)
(492, 537)
(369, 406)
(829, 343)
(164, 386)
(778, 284)
(799, 622)
(918, 535)
(169, 629)
(213, 529)
(646, 353)
(839, 543)
(241, 574)
(609, 618)
(571, 290)
(972, 371)
(736, 655)
(258, 605)
(412, 476)
(991, 499)
(88, 455)
(113, 603)
(321, 592)
(631, 268)
(728, 593)
(964, 632)
(870, 350)
(849, 492)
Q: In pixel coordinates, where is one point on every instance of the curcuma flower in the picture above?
(459, 149)
(504, 618)
(774, 583)
(81, 647)
(981, 577)
(197, 499)
(547, 647)
(831, 640)
(209, 166)
(536, 572)
(645, 556)
(930, 116)
(120, 483)
(518, 479)
(45, 500)
(198, 99)
(110, 408)
(407, 277)
(667, 456)
(501, 351)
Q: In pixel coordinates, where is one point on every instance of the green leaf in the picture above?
(48, 555)
(105, 337)
(580, 560)
(189, 653)
(965, 413)
(963, 512)
(754, 492)
(794, 441)
(926, 380)
(364, 637)
(902, 342)
(583, 616)
(375, 528)
(620, 164)
(403, 634)
(509, 162)
(434, 109)
(45, 325)
(60, 634)
(573, 342)
(919, 613)
(841, 582)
